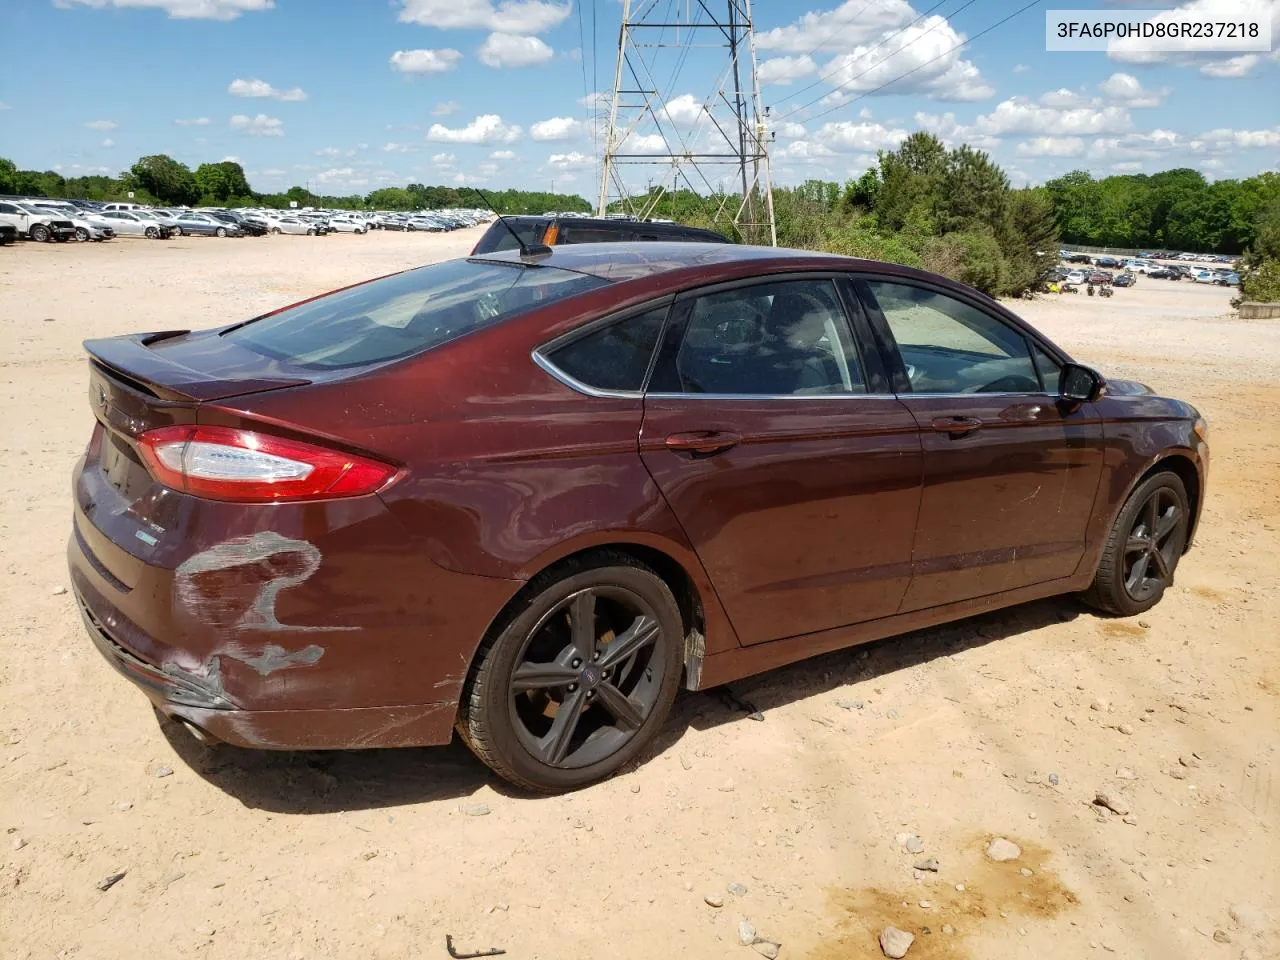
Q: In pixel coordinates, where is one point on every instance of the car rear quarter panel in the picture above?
(505, 469)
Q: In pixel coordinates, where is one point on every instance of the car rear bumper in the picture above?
(198, 699)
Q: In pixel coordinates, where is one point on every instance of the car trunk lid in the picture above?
(136, 384)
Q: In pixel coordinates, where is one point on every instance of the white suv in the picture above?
(35, 224)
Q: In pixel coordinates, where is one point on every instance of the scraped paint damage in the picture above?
(233, 587)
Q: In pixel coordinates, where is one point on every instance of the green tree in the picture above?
(166, 179)
(220, 182)
(972, 192)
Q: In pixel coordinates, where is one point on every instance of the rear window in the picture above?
(407, 313)
(498, 237)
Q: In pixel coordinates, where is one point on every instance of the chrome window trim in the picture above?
(577, 385)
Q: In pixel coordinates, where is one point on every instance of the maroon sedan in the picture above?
(531, 496)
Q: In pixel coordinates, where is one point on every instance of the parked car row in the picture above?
(54, 220)
(1145, 257)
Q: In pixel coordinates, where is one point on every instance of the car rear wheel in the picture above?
(575, 684)
(39, 233)
(1144, 547)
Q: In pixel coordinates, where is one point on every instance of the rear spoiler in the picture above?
(131, 359)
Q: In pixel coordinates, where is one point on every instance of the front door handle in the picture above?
(703, 442)
(957, 426)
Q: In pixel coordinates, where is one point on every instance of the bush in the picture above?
(1262, 284)
(857, 240)
(972, 258)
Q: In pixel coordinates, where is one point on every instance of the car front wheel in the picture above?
(82, 234)
(152, 233)
(220, 232)
(579, 680)
(40, 233)
(1144, 547)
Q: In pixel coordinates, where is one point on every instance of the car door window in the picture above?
(949, 346)
(785, 338)
(615, 357)
(1050, 370)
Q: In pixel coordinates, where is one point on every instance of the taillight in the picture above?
(223, 463)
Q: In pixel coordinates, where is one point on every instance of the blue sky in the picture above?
(349, 95)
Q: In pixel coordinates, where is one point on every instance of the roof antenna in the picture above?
(526, 249)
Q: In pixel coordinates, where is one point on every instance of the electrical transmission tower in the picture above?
(716, 146)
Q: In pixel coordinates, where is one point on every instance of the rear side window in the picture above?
(570, 233)
(498, 237)
(406, 313)
(615, 357)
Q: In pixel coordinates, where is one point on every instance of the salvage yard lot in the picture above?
(1008, 725)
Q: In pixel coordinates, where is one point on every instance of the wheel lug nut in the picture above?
(573, 687)
(577, 663)
(596, 655)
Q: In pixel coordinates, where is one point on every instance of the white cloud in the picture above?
(512, 50)
(1051, 147)
(1020, 115)
(1137, 145)
(1063, 97)
(1240, 66)
(595, 99)
(262, 90)
(444, 159)
(108, 143)
(1125, 88)
(258, 126)
(509, 16)
(182, 9)
(398, 148)
(230, 159)
(557, 128)
(101, 125)
(487, 128)
(425, 61)
(1021, 68)
(563, 161)
(336, 173)
(802, 150)
(782, 70)
(684, 110)
(446, 108)
(502, 155)
(328, 152)
(845, 136)
(789, 130)
(883, 41)
(194, 122)
(643, 143)
(1242, 139)
(1219, 64)
(1127, 166)
(953, 133)
(5, 106)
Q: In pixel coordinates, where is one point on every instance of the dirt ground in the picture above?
(1007, 725)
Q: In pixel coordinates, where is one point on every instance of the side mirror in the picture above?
(1080, 384)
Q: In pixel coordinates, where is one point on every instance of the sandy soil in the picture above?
(1003, 726)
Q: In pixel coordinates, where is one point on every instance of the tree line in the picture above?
(161, 180)
(951, 211)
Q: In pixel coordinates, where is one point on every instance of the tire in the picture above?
(39, 233)
(82, 234)
(275, 230)
(1121, 585)
(152, 233)
(311, 232)
(220, 232)
(508, 729)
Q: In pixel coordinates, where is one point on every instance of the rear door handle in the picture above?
(957, 426)
(704, 442)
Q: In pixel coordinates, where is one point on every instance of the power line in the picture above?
(944, 53)
(882, 41)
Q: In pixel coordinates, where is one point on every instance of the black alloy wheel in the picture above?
(576, 684)
(1144, 547)
(1149, 557)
